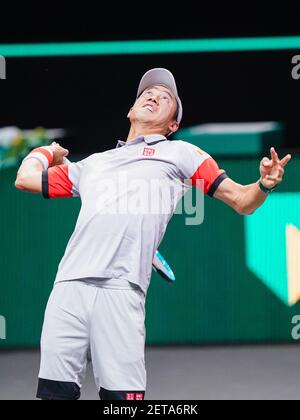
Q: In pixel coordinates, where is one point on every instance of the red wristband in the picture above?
(44, 154)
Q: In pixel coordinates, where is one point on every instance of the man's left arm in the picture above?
(245, 199)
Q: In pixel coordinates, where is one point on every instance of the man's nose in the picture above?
(154, 98)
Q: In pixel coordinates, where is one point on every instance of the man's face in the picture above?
(157, 106)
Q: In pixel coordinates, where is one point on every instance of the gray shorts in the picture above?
(99, 320)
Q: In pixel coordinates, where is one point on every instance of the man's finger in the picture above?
(266, 162)
(271, 178)
(285, 160)
(274, 155)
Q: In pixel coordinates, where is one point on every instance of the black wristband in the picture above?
(266, 190)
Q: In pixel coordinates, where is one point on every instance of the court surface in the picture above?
(183, 373)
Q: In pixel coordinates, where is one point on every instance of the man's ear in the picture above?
(173, 126)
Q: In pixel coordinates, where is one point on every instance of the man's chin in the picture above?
(145, 118)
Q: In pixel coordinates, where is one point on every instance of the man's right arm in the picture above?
(29, 176)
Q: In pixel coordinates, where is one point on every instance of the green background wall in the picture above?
(215, 298)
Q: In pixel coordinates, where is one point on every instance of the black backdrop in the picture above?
(90, 96)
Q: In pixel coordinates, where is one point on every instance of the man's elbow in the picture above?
(249, 212)
(21, 183)
(244, 211)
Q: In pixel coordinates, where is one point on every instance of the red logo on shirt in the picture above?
(129, 396)
(139, 397)
(148, 151)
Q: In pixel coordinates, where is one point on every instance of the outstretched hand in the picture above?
(272, 170)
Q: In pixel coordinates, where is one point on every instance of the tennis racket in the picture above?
(161, 266)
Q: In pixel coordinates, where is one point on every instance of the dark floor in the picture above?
(184, 373)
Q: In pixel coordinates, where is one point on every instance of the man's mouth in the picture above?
(150, 107)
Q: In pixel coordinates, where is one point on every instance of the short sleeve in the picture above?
(62, 181)
(197, 165)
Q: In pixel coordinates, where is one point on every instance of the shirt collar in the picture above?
(150, 139)
(154, 138)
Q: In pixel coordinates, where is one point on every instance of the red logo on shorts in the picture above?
(130, 396)
(148, 151)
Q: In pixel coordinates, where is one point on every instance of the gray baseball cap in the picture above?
(162, 77)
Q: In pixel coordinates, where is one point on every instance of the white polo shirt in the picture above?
(128, 196)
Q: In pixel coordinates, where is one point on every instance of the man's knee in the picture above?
(57, 390)
(121, 395)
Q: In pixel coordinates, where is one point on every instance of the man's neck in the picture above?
(135, 132)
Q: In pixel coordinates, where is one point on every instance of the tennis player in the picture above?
(97, 307)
